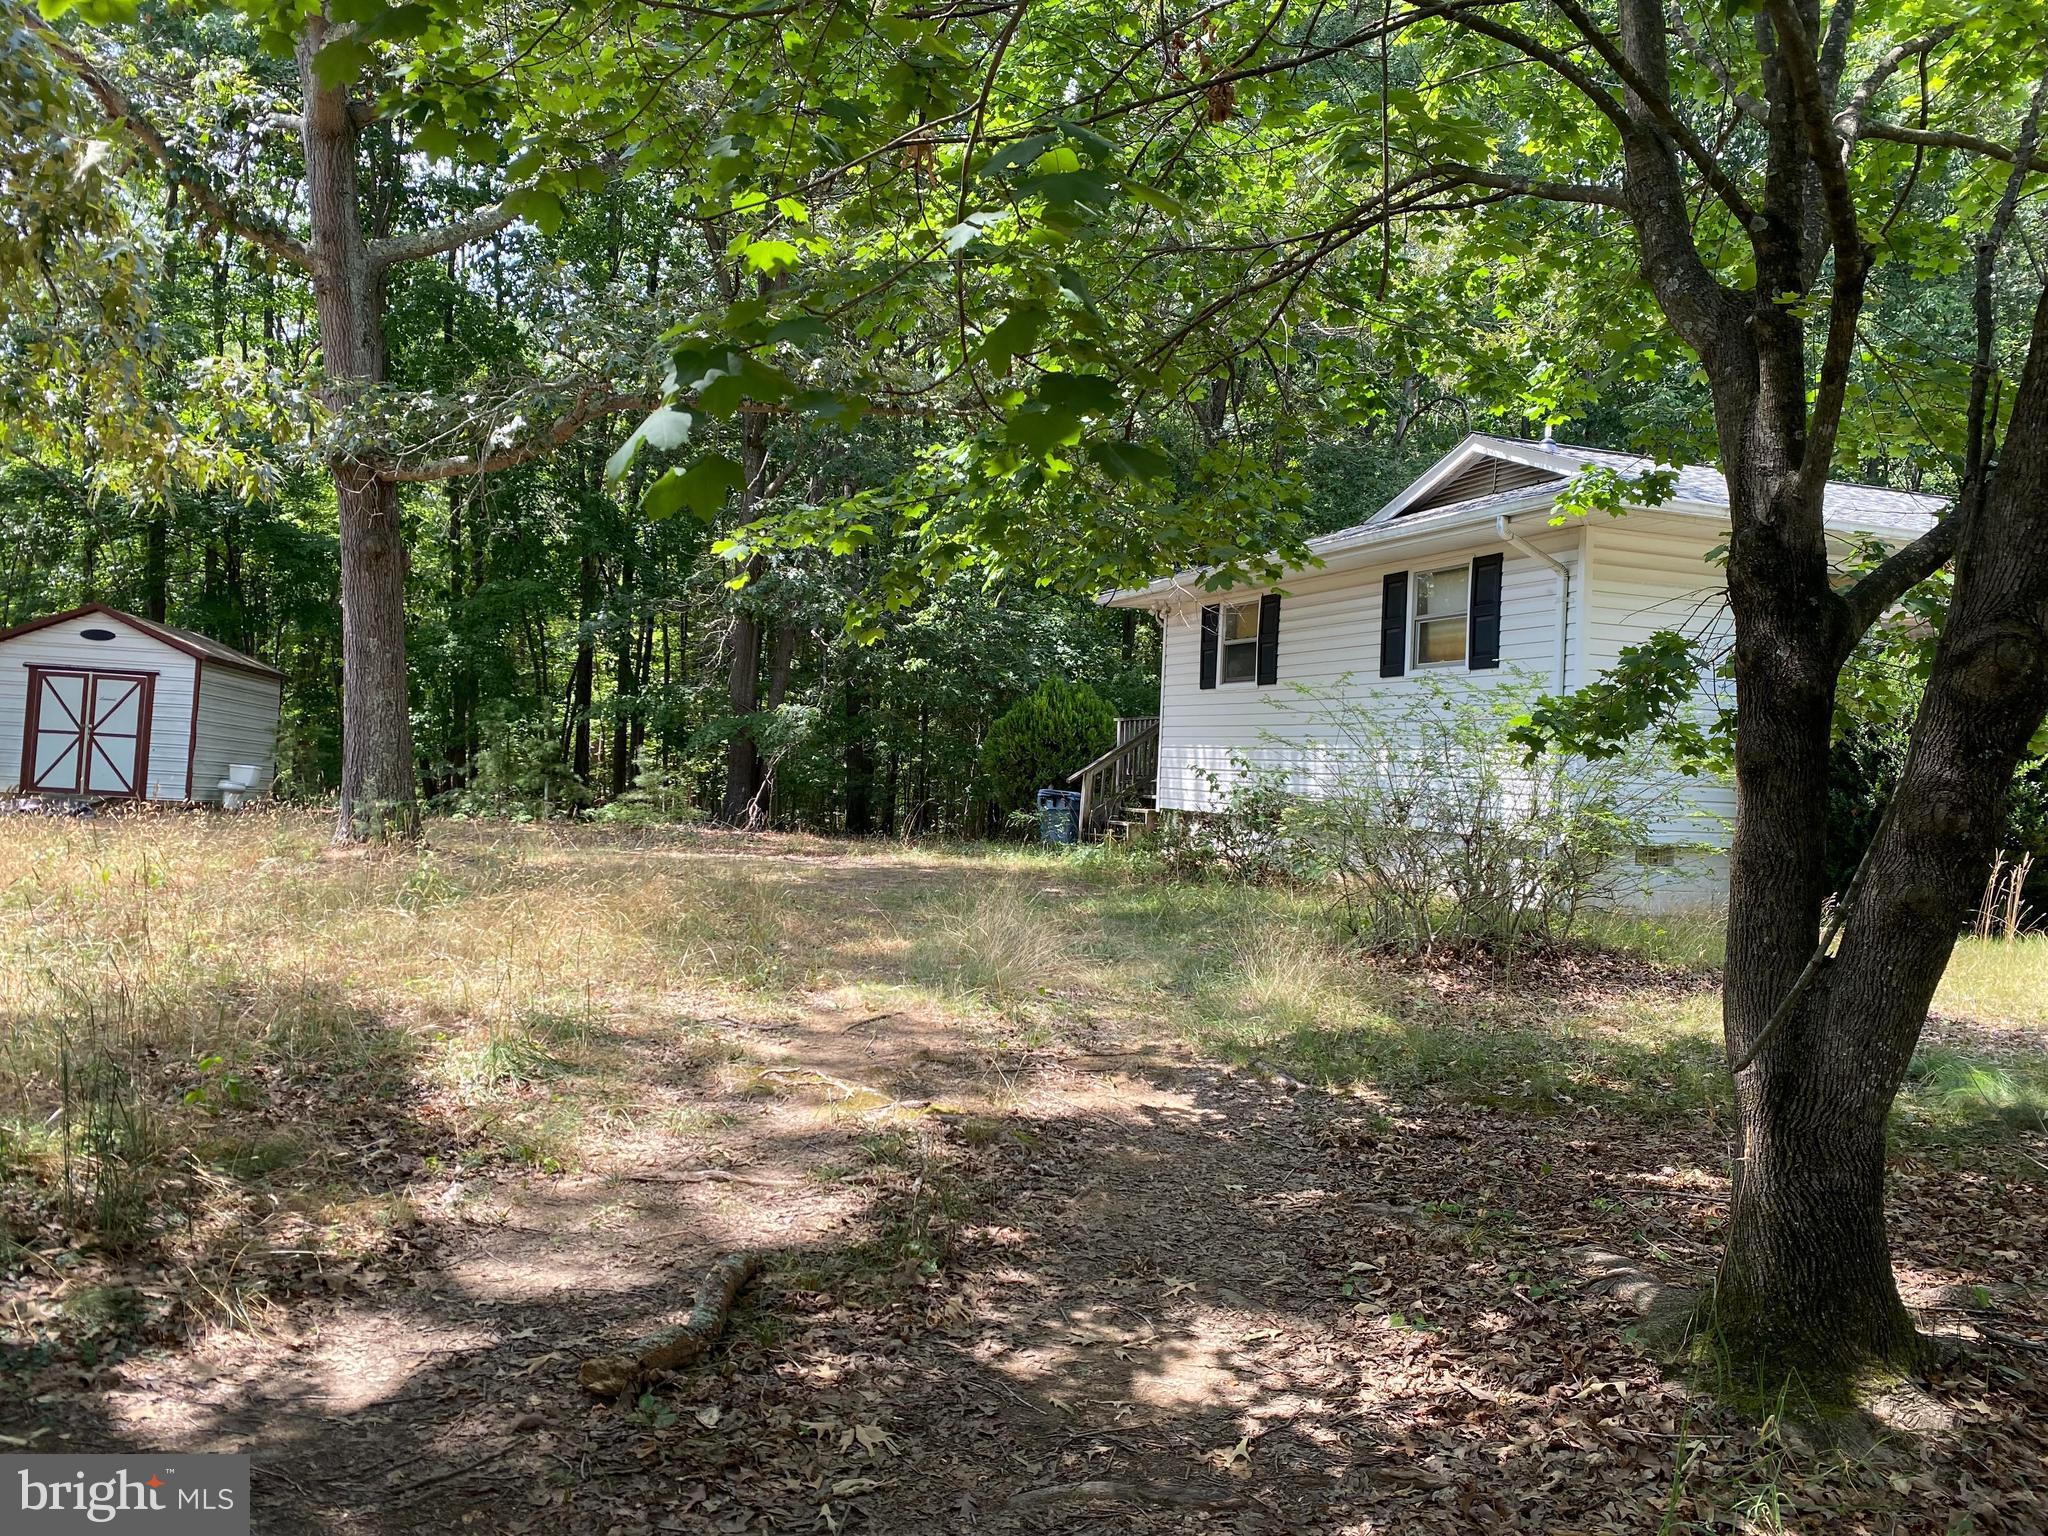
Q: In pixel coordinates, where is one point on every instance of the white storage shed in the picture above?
(99, 704)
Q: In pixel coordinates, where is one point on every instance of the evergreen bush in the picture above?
(1041, 740)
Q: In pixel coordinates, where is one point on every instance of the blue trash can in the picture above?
(1059, 816)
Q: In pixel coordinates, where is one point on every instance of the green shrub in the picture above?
(1438, 831)
(1041, 740)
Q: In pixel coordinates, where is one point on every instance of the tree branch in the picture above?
(1939, 138)
(1850, 119)
(552, 437)
(433, 242)
(1898, 573)
(1828, 153)
(1656, 99)
(1549, 191)
(254, 228)
(1823, 142)
(1751, 107)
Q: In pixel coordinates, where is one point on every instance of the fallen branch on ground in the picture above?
(804, 1075)
(1618, 1276)
(1285, 1079)
(1130, 1493)
(616, 1375)
(712, 1176)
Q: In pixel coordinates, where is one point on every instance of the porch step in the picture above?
(1139, 817)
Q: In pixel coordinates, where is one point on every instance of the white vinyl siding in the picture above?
(1647, 573)
(237, 724)
(1330, 629)
(63, 645)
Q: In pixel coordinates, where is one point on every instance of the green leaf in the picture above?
(1090, 140)
(1087, 394)
(537, 206)
(971, 229)
(1128, 461)
(771, 256)
(437, 140)
(1014, 338)
(1041, 428)
(341, 61)
(701, 488)
(665, 428)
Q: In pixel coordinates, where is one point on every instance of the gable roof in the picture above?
(1486, 477)
(1454, 481)
(192, 643)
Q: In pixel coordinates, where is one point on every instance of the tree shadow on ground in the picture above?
(1156, 1300)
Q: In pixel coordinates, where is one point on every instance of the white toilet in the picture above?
(240, 786)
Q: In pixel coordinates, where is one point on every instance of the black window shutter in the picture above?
(1394, 624)
(1211, 614)
(1486, 611)
(1269, 639)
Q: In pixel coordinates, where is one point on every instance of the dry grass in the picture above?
(188, 1003)
(1997, 981)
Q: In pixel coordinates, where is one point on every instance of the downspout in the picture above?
(1564, 590)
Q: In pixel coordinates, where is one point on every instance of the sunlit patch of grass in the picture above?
(507, 1056)
(1347, 1022)
(1997, 981)
(1690, 938)
(1003, 946)
(1952, 1093)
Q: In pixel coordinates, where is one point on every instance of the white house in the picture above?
(99, 704)
(1461, 575)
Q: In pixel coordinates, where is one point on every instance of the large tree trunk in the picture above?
(378, 796)
(377, 799)
(1806, 1279)
(741, 807)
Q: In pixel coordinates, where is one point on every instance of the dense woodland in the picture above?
(566, 650)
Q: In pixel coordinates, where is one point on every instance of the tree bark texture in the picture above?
(378, 795)
(1806, 1281)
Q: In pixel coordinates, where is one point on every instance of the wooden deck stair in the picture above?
(1119, 789)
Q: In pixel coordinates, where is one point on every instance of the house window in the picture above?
(1441, 599)
(1240, 637)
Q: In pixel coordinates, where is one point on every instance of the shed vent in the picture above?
(1487, 477)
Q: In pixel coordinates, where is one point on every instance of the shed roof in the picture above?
(203, 647)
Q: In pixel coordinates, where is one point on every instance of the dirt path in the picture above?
(1064, 1281)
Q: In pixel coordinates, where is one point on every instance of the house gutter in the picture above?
(1564, 590)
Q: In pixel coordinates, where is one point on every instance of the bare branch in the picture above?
(256, 229)
(447, 237)
(1940, 138)
(1898, 573)
(1849, 121)
(547, 440)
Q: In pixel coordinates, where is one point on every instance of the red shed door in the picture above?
(88, 732)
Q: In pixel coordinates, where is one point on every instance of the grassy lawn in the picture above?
(245, 1077)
